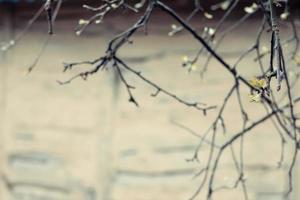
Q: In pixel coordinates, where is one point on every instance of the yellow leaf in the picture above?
(255, 98)
(258, 83)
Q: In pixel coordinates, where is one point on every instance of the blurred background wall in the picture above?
(84, 141)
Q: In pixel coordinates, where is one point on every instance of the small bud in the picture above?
(174, 26)
(138, 5)
(251, 9)
(194, 67)
(78, 33)
(83, 22)
(225, 5)
(264, 49)
(185, 58)
(208, 15)
(284, 15)
(114, 6)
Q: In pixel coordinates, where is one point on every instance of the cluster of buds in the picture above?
(190, 64)
(103, 10)
(262, 87)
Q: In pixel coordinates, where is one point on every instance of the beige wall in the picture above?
(71, 142)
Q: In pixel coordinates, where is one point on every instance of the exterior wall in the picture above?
(84, 141)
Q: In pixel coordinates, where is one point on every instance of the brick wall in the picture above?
(84, 141)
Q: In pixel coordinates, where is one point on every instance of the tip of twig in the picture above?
(132, 100)
(61, 82)
(28, 71)
(278, 88)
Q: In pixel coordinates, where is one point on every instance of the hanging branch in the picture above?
(283, 117)
(261, 86)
